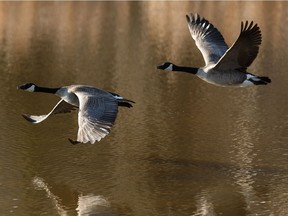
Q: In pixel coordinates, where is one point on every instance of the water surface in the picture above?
(185, 148)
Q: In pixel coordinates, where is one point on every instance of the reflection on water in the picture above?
(246, 134)
(86, 205)
(204, 205)
(187, 147)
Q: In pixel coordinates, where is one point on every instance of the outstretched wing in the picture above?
(207, 38)
(96, 116)
(60, 107)
(243, 52)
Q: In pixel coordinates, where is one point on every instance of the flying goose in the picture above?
(97, 109)
(223, 66)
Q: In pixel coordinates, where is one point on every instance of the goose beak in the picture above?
(160, 67)
(20, 87)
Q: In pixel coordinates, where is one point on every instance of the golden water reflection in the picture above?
(186, 148)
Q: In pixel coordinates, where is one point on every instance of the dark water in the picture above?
(186, 148)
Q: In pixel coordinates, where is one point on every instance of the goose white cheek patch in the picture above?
(31, 88)
(170, 67)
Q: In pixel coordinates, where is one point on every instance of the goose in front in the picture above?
(97, 109)
(223, 66)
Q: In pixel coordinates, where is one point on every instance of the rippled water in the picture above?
(185, 148)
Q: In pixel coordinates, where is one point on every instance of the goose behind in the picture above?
(223, 66)
(97, 109)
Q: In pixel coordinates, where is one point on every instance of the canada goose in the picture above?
(97, 109)
(224, 66)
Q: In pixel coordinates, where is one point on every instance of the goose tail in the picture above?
(126, 103)
(122, 101)
(260, 80)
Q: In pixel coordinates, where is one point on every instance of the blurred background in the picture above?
(186, 147)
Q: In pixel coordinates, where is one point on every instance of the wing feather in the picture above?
(60, 107)
(243, 52)
(207, 38)
(96, 117)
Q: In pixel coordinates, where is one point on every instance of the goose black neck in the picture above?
(46, 90)
(185, 69)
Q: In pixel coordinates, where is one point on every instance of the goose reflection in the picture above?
(245, 136)
(87, 205)
(204, 205)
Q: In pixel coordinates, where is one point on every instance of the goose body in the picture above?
(97, 109)
(223, 66)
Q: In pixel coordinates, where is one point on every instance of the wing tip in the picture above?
(194, 18)
(246, 26)
(251, 28)
(198, 23)
(28, 118)
(188, 18)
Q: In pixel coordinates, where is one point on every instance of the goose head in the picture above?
(28, 87)
(166, 66)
